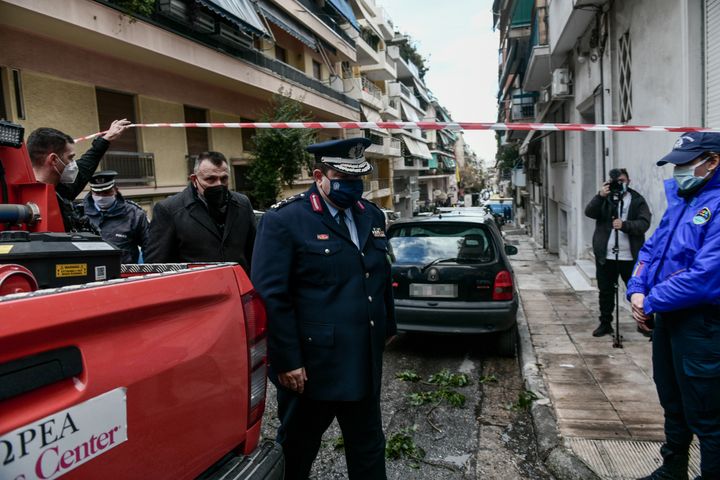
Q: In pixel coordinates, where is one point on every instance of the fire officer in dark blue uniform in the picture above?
(321, 265)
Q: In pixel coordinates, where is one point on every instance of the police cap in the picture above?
(345, 156)
(103, 181)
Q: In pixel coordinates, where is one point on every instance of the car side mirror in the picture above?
(511, 250)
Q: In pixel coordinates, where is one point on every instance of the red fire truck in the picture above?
(120, 371)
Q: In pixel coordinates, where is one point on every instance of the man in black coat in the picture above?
(321, 265)
(626, 212)
(52, 154)
(205, 222)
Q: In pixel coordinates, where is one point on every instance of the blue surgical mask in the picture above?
(344, 193)
(685, 178)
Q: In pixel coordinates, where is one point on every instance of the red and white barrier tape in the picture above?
(577, 127)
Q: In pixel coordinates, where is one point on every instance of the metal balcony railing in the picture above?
(371, 88)
(248, 53)
(374, 137)
(373, 184)
(134, 168)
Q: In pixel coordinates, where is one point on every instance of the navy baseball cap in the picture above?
(690, 146)
(345, 156)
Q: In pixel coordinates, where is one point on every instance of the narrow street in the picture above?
(489, 437)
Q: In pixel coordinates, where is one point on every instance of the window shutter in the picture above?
(712, 63)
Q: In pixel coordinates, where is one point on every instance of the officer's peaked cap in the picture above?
(345, 156)
(690, 146)
(103, 181)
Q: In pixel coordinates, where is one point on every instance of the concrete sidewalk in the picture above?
(603, 398)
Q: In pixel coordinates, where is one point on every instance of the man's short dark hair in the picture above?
(44, 141)
(323, 167)
(216, 158)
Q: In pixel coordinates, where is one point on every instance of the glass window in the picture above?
(281, 54)
(113, 106)
(427, 242)
(317, 70)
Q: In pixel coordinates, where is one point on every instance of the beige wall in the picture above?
(67, 106)
(168, 144)
(227, 141)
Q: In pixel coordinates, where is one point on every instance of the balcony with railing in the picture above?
(382, 69)
(391, 107)
(537, 74)
(213, 32)
(370, 93)
(382, 145)
(397, 89)
(135, 169)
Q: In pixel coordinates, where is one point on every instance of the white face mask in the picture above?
(103, 203)
(69, 173)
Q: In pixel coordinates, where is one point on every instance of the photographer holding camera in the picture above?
(616, 208)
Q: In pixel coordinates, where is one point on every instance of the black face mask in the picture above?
(216, 196)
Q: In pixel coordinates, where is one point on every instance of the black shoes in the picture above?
(674, 467)
(604, 329)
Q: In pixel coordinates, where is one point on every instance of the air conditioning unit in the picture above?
(374, 185)
(560, 86)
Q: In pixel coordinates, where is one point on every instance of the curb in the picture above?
(559, 459)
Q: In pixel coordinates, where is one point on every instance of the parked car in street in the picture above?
(451, 275)
(391, 216)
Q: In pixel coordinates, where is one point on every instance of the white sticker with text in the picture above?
(52, 446)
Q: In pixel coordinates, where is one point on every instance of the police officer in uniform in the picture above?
(121, 223)
(677, 279)
(321, 265)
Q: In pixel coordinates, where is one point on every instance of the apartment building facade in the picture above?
(78, 64)
(646, 62)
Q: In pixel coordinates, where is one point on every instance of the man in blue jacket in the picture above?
(121, 222)
(677, 279)
(322, 267)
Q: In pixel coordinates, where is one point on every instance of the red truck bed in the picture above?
(156, 376)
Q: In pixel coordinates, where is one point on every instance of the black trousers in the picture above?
(606, 275)
(303, 422)
(686, 369)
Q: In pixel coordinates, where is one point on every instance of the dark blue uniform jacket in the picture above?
(124, 225)
(329, 305)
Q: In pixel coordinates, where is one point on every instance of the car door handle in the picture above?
(34, 371)
(433, 304)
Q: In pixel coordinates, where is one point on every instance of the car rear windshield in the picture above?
(426, 242)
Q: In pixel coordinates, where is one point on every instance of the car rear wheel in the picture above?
(507, 342)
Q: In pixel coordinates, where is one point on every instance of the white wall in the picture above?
(666, 36)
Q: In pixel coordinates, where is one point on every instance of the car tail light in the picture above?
(503, 288)
(256, 329)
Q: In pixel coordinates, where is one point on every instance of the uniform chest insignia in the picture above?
(361, 206)
(315, 203)
(702, 217)
(378, 232)
(323, 236)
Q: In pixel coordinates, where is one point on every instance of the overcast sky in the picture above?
(457, 39)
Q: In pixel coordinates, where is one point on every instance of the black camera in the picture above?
(617, 187)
